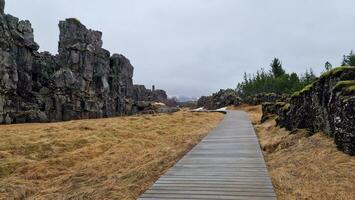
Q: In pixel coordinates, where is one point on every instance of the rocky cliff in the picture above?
(82, 81)
(327, 105)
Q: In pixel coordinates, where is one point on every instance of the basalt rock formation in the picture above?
(82, 81)
(271, 109)
(327, 105)
(223, 98)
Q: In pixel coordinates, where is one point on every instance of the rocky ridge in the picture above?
(82, 81)
(327, 105)
(223, 98)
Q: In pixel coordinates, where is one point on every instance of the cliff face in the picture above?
(327, 105)
(82, 81)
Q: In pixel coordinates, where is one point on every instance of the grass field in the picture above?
(117, 158)
(304, 166)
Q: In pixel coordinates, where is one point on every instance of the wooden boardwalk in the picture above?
(227, 164)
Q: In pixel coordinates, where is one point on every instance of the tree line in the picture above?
(276, 80)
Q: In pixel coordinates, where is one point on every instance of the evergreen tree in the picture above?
(245, 78)
(276, 68)
(328, 66)
(276, 81)
(349, 60)
(344, 62)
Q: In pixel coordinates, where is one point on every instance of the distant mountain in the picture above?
(184, 98)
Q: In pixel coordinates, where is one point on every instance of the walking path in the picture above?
(227, 164)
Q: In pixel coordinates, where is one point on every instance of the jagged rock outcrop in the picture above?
(141, 93)
(82, 81)
(220, 99)
(327, 105)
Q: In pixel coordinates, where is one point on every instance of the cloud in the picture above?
(195, 47)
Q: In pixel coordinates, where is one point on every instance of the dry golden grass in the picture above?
(117, 158)
(303, 166)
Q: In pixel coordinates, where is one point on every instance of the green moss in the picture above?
(296, 94)
(336, 71)
(347, 87)
(305, 89)
(343, 84)
(350, 89)
(286, 106)
(280, 103)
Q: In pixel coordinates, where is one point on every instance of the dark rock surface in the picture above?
(82, 81)
(271, 109)
(141, 93)
(220, 99)
(327, 105)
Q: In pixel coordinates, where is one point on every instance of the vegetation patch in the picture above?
(348, 87)
(305, 89)
(274, 81)
(351, 89)
(336, 71)
(286, 106)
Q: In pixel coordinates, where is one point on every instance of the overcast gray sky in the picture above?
(196, 47)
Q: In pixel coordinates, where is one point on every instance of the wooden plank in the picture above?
(226, 164)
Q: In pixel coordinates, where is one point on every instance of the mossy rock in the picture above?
(286, 107)
(336, 71)
(305, 89)
(268, 103)
(350, 90)
(280, 103)
(348, 87)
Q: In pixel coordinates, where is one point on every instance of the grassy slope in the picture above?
(303, 166)
(114, 158)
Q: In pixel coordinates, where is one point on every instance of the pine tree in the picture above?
(351, 59)
(328, 66)
(344, 62)
(276, 68)
(245, 77)
(275, 80)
